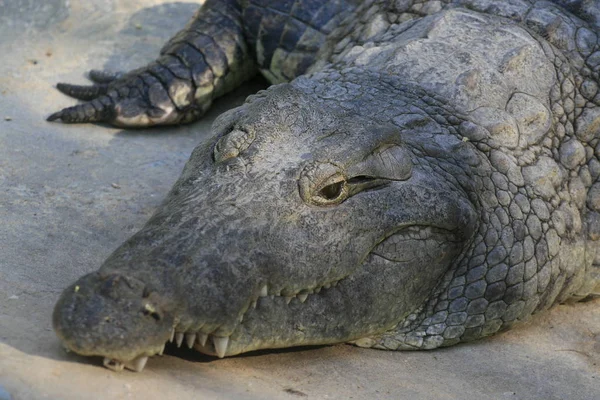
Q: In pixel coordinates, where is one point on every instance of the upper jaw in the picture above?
(210, 344)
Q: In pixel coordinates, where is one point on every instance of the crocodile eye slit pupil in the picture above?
(332, 192)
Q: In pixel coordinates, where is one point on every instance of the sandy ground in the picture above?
(70, 194)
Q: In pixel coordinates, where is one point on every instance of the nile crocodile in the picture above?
(421, 173)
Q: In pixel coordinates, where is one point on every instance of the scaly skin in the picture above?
(430, 176)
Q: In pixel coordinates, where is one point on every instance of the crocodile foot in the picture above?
(149, 96)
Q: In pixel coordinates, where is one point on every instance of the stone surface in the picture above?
(70, 194)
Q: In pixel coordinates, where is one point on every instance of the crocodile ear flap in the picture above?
(389, 161)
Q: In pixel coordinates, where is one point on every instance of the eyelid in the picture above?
(314, 177)
(391, 162)
(331, 180)
(232, 144)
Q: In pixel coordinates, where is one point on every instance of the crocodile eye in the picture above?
(323, 184)
(333, 191)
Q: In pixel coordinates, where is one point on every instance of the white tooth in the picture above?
(190, 338)
(113, 364)
(254, 304)
(179, 338)
(288, 299)
(172, 335)
(317, 290)
(327, 286)
(221, 344)
(161, 351)
(302, 297)
(241, 319)
(137, 365)
(202, 338)
(264, 292)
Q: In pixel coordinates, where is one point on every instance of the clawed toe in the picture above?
(103, 77)
(98, 110)
(82, 92)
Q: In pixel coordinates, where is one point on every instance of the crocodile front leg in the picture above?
(208, 58)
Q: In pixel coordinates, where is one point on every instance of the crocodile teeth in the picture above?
(317, 290)
(302, 297)
(288, 299)
(253, 305)
(137, 365)
(113, 364)
(202, 338)
(264, 292)
(190, 338)
(172, 335)
(179, 338)
(220, 344)
(161, 351)
(327, 286)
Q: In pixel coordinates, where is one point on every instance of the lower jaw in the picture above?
(138, 363)
(210, 345)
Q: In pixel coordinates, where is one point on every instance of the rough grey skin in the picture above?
(430, 175)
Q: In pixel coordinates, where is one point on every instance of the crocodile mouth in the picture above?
(222, 346)
(208, 343)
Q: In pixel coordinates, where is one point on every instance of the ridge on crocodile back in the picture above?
(421, 173)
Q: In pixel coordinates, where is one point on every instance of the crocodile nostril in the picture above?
(149, 310)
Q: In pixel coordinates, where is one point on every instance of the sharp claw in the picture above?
(55, 116)
(98, 110)
(103, 76)
(82, 92)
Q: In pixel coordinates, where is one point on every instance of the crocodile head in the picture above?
(295, 225)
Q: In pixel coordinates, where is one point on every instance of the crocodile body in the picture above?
(422, 173)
